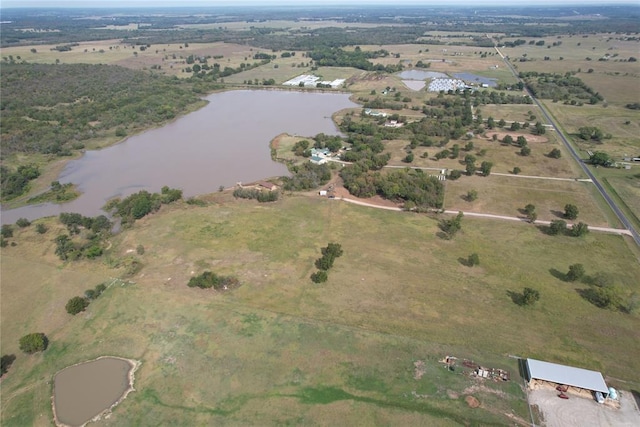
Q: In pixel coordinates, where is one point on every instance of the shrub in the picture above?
(209, 279)
(5, 363)
(576, 271)
(555, 153)
(580, 229)
(23, 222)
(6, 231)
(516, 170)
(473, 260)
(41, 228)
(530, 296)
(76, 305)
(455, 174)
(34, 342)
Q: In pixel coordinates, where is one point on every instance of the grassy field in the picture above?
(282, 349)
(502, 195)
(616, 78)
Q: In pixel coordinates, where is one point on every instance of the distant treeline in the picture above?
(59, 27)
(55, 109)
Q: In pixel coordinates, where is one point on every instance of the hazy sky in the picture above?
(156, 3)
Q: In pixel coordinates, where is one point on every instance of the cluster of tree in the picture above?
(325, 263)
(55, 109)
(358, 58)
(416, 189)
(600, 158)
(592, 133)
(16, 183)
(307, 176)
(78, 304)
(602, 291)
(450, 227)
(559, 227)
(261, 196)
(633, 106)
(57, 193)
(92, 233)
(332, 142)
(494, 97)
(75, 221)
(559, 87)
(218, 282)
(141, 204)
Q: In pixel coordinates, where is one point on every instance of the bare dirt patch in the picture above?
(472, 402)
(420, 369)
(583, 410)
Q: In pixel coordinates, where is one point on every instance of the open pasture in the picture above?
(282, 348)
(508, 195)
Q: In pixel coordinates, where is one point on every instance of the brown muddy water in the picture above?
(84, 391)
(223, 143)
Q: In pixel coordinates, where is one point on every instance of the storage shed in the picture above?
(566, 375)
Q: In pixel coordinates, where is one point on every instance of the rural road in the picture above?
(619, 231)
(614, 207)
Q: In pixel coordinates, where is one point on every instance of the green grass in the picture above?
(282, 350)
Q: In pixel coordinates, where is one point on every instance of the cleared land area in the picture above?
(274, 348)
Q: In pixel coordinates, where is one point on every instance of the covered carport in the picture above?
(566, 375)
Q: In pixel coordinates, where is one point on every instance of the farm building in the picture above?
(585, 379)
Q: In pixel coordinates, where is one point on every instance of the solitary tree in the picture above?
(76, 304)
(525, 151)
(555, 153)
(452, 226)
(516, 170)
(508, 139)
(570, 211)
(579, 229)
(33, 343)
(530, 211)
(530, 296)
(471, 196)
(557, 226)
(576, 271)
(485, 167)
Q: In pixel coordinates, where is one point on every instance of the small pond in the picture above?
(86, 390)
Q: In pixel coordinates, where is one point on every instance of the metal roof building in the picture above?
(566, 375)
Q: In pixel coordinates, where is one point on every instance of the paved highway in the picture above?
(614, 207)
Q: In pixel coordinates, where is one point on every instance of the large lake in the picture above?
(225, 142)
